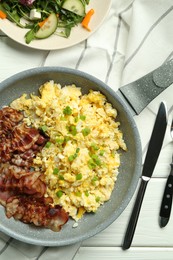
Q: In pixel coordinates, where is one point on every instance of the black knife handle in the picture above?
(134, 216)
(166, 204)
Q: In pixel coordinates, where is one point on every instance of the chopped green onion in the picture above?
(76, 119)
(59, 141)
(55, 171)
(78, 193)
(86, 131)
(94, 179)
(97, 199)
(98, 162)
(67, 110)
(72, 129)
(86, 193)
(101, 152)
(48, 144)
(90, 154)
(77, 150)
(44, 128)
(72, 157)
(96, 159)
(82, 117)
(61, 177)
(66, 139)
(59, 193)
(91, 164)
(63, 118)
(79, 176)
(94, 146)
(75, 155)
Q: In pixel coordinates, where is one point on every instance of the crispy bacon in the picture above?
(5, 149)
(9, 117)
(23, 159)
(4, 196)
(21, 181)
(18, 141)
(24, 137)
(22, 190)
(37, 211)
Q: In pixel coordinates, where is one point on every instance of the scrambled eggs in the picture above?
(80, 161)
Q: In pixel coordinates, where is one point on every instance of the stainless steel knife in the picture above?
(166, 205)
(155, 145)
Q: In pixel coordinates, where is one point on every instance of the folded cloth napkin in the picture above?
(135, 38)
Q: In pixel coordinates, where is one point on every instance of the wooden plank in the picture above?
(112, 253)
(148, 232)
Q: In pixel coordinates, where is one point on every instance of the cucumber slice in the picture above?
(74, 6)
(48, 28)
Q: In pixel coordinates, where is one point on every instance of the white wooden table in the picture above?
(150, 241)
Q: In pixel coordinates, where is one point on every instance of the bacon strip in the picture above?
(22, 190)
(36, 211)
(9, 117)
(24, 137)
(16, 179)
(18, 138)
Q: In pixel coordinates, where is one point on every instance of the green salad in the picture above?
(43, 18)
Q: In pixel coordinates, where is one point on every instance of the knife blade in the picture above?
(166, 204)
(154, 147)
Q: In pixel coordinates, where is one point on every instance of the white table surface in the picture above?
(150, 241)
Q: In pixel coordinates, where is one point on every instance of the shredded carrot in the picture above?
(2, 15)
(42, 22)
(87, 19)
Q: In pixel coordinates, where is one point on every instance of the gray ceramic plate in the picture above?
(130, 170)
